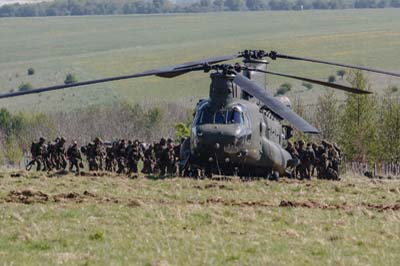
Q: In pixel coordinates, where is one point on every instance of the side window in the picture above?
(206, 117)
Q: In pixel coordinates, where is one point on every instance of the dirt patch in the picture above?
(312, 205)
(212, 185)
(383, 207)
(134, 203)
(71, 196)
(239, 203)
(27, 197)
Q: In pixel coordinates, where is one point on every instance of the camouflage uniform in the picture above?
(301, 168)
(37, 151)
(121, 156)
(171, 162)
(89, 151)
(308, 160)
(293, 152)
(98, 154)
(133, 156)
(149, 160)
(74, 157)
(162, 156)
(59, 154)
(111, 158)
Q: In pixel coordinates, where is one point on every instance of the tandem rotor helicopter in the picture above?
(240, 129)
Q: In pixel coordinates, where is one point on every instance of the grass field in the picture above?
(114, 220)
(99, 46)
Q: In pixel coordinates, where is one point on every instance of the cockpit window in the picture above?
(235, 117)
(206, 116)
(220, 117)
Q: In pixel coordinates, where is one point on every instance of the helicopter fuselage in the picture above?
(237, 138)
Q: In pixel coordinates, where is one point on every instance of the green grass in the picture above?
(121, 221)
(101, 46)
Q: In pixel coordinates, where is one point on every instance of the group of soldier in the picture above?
(162, 157)
(119, 156)
(321, 160)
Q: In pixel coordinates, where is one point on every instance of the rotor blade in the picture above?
(319, 82)
(275, 55)
(210, 61)
(274, 104)
(163, 71)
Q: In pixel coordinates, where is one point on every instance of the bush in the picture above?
(331, 79)
(13, 152)
(309, 86)
(182, 131)
(25, 87)
(394, 89)
(31, 71)
(284, 88)
(70, 79)
(341, 73)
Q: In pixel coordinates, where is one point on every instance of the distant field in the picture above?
(103, 220)
(101, 46)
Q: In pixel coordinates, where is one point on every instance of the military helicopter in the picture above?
(242, 128)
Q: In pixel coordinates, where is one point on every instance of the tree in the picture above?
(256, 4)
(299, 108)
(70, 79)
(389, 128)
(234, 5)
(341, 73)
(31, 71)
(358, 132)
(284, 88)
(25, 87)
(326, 117)
(309, 86)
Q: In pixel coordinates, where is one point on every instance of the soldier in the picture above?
(111, 158)
(308, 160)
(74, 157)
(134, 154)
(320, 161)
(162, 155)
(293, 152)
(158, 152)
(90, 154)
(171, 163)
(98, 153)
(314, 146)
(37, 151)
(121, 156)
(50, 156)
(177, 152)
(301, 168)
(59, 154)
(149, 160)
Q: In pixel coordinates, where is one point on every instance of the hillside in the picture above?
(101, 46)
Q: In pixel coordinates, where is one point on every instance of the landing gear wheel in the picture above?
(274, 176)
(208, 173)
